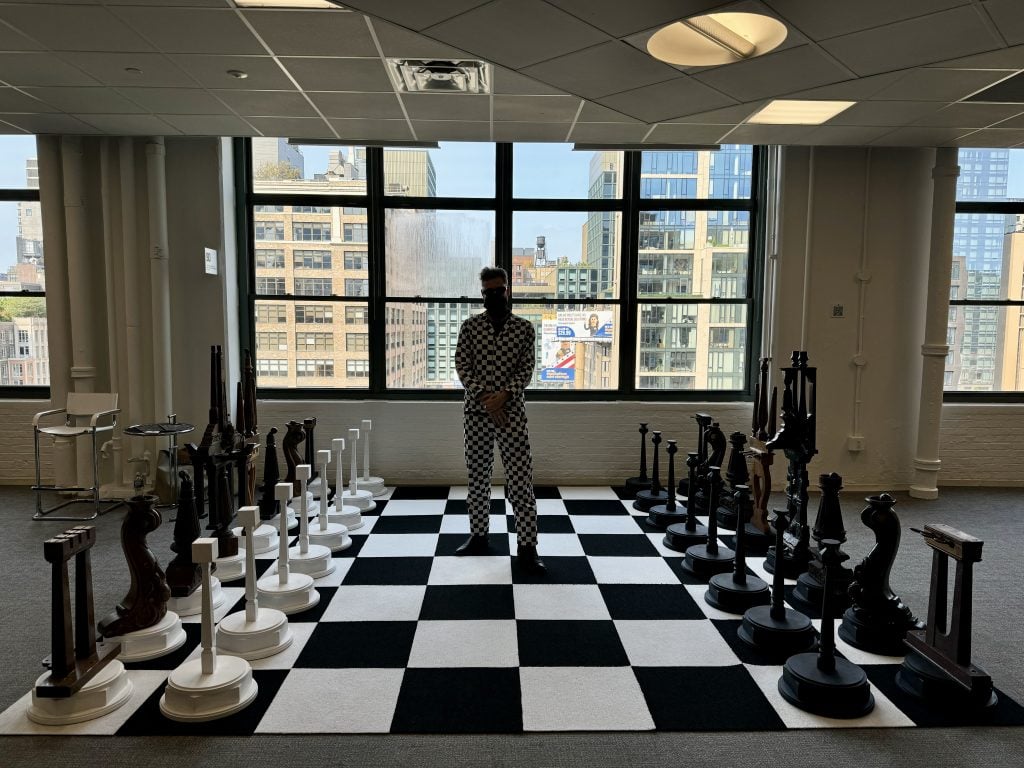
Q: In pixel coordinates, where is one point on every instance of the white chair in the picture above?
(97, 407)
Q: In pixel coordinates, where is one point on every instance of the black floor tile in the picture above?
(466, 700)
(367, 644)
(476, 602)
(447, 543)
(421, 492)
(617, 545)
(650, 602)
(559, 570)
(594, 507)
(569, 644)
(389, 570)
(407, 524)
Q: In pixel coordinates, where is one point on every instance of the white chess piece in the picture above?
(339, 512)
(209, 687)
(354, 496)
(367, 482)
(256, 632)
(312, 559)
(288, 592)
(264, 538)
(334, 536)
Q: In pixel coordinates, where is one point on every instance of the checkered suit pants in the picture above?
(514, 444)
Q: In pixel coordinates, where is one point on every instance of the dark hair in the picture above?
(491, 273)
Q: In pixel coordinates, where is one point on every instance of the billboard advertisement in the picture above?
(584, 325)
(558, 355)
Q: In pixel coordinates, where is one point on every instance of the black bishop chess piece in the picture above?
(663, 515)
(705, 560)
(682, 536)
(828, 524)
(738, 591)
(877, 621)
(774, 629)
(657, 494)
(823, 683)
(184, 576)
(641, 482)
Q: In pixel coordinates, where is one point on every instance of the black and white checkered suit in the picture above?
(490, 362)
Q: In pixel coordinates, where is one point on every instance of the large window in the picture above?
(24, 345)
(634, 267)
(986, 318)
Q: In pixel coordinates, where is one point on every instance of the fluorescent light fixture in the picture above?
(716, 38)
(440, 75)
(287, 4)
(797, 112)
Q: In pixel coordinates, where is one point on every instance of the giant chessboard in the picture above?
(407, 638)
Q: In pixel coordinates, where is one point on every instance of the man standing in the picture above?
(495, 361)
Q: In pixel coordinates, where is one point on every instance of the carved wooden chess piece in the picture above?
(184, 576)
(271, 477)
(290, 445)
(641, 482)
(663, 515)
(828, 524)
(682, 536)
(703, 422)
(657, 494)
(308, 425)
(738, 591)
(705, 560)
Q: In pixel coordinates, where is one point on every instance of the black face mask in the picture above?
(496, 301)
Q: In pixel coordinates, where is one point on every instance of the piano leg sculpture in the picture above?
(348, 515)
(682, 536)
(85, 680)
(368, 482)
(288, 592)
(938, 666)
(663, 515)
(641, 482)
(334, 536)
(738, 591)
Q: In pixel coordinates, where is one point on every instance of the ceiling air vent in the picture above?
(440, 75)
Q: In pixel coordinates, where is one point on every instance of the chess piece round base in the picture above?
(875, 636)
(727, 518)
(335, 537)
(780, 638)
(165, 636)
(363, 500)
(923, 680)
(264, 539)
(661, 517)
(647, 499)
(793, 563)
(314, 486)
(315, 562)
(734, 597)
(702, 564)
(293, 521)
(268, 635)
(375, 485)
(844, 693)
(295, 595)
(757, 540)
(349, 516)
(679, 538)
(809, 594)
(104, 693)
(231, 568)
(191, 696)
(193, 604)
(634, 485)
(293, 503)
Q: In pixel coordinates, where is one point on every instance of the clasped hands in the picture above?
(494, 403)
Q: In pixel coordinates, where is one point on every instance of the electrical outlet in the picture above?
(854, 443)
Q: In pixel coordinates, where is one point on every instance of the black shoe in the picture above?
(474, 545)
(529, 560)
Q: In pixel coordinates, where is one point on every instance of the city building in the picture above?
(1010, 373)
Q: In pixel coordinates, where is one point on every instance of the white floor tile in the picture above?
(587, 493)
(358, 602)
(551, 507)
(583, 699)
(604, 524)
(658, 539)
(697, 593)
(553, 545)
(694, 643)
(465, 644)
(414, 507)
(400, 545)
(471, 570)
(632, 570)
(559, 602)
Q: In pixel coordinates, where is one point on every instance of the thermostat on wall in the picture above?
(211, 261)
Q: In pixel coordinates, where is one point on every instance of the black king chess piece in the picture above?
(657, 494)
(824, 683)
(738, 591)
(878, 620)
(705, 560)
(682, 536)
(828, 524)
(662, 515)
(641, 482)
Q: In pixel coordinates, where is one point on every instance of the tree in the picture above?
(278, 171)
(13, 306)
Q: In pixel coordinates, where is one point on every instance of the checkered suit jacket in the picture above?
(489, 362)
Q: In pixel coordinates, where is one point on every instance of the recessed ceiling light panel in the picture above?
(798, 112)
(286, 4)
(716, 38)
(440, 76)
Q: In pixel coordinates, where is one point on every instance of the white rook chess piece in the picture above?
(354, 496)
(367, 482)
(288, 592)
(334, 536)
(339, 512)
(256, 632)
(209, 687)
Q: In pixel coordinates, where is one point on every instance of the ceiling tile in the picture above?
(517, 33)
(209, 125)
(663, 101)
(212, 72)
(109, 68)
(130, 125)
(7, 129)
(602, 70)
(613, 133)
(844, 135)
(508, 81)
(536, 109)
(293, 127)
(857, 89)
(447, 106)
(969, 115)
(183, 3)
(313, 32)
(768, 134)
(919, 137)
(992, 137)
(321, 74)
(13, 100)
(676, 133)
(930, 84)
(397, 42)
(595, 113)
(452, 130)
(620, 19)
(1013, 122)
(415, 14)
(57, 123)
(925, 40)
(1004, 58)
(1008, 17)
(548, 132)
(192, 30)
(379, 130)
(74, 28)
(371, 105)
(1010, 89)
(176, 101)
(10, 40)
(40, 69)
(86, 100)
(268, 103)
(822, 20)
(726, 116)
(882, 113)
(775, 73)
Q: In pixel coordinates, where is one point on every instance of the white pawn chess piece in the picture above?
(334, 536)
(209, 687)
(256, 632)
(354, 496)
(264, 538)
(339, 512)
(367, 482)
(165, 636)
(312, 559)
(288, 592)
(231, 568)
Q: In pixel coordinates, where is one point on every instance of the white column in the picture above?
(160, 281)
(935, 349)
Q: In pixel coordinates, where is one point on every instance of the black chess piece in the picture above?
(828, 524)
(738, 591)
(737, 474)
(663, 515)
(290, 445)
(682, 536)
(184, 576)
(271, 477)
(823, 683)
(222, 507)
(308, 425)
(641, 482)
(703, 422)
(878, 620)
(657, 494)
(705, 560)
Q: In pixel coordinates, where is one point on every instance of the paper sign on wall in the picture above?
(211, 261)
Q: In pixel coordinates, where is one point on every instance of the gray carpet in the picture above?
(992, 515)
